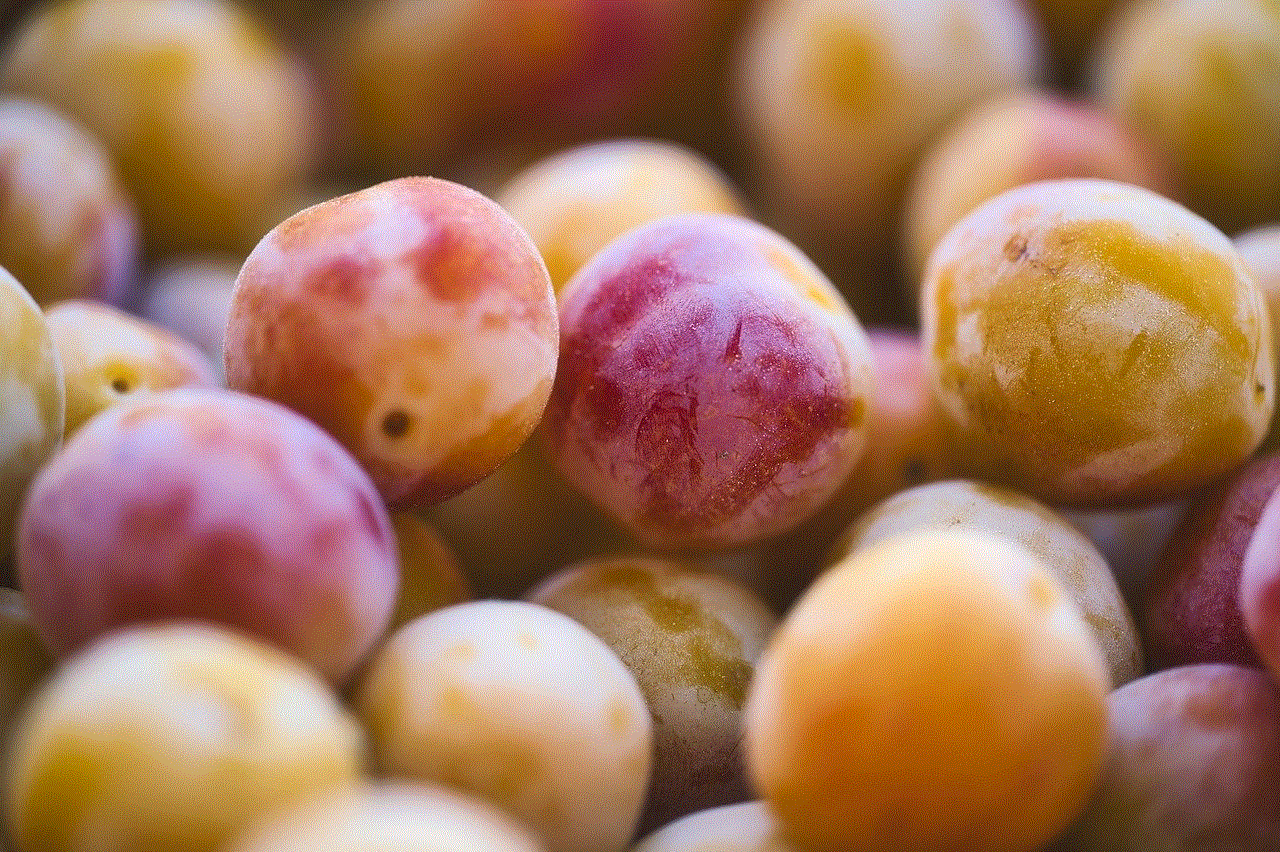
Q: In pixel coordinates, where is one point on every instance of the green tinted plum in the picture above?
(163, 84)
(208, 504)
(1193, 764)
(713, 386)
(67, 229)
(691, 639)
(1096, 345)
(414, 320)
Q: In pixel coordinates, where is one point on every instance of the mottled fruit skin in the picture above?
(1258, 595)
(392, 816)
(1096, 345)
(67, 228)
(32, 399)
(521, 706)
(414, 320)
(713, 386)
(1193, 765)
(173, 738)
(935, 692)
(109, 356)
(162, 84)
(208, 504)
(692, 640)
(1074, 562)
(1190, 606)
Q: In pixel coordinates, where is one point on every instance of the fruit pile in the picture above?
(653, 425)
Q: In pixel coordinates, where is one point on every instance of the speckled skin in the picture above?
(1193, 764)
(1258, 593)
(1208, 107)
(32, 399)
(692, 640)
(413, 320)
(1017, 138)
(521, 706)
(1260, 250)
(67, 229)
(173, 738)
(1066, 552)
(1095, 344)
(744, 827)
(576, 202)
(713, 386)
(163, 83)
(109, 356)
(936, 692)
(397, 816)
(212, 505)
(839, 97)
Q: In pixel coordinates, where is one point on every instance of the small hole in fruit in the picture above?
(1259, 391)
(120, 385)
(913, 471)
(395, 424)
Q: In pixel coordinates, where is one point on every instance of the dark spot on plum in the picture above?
(120, 385)
(346, 278)
(396, 423)
(913, 471)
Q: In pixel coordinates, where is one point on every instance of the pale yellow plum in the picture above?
(579, 200)
(24, 661)
(1075, 562)
(430, 577)
(109, 356)
(839, 97)
(391, 817)
(173, 739)
(937, 691)
(1096, 345)
(414, 320)
(744, 827)
(67, 228)
(521, 706)
(1198, 80)
(32, 399)
(1012, 139)
(163, 84)
(692, 640)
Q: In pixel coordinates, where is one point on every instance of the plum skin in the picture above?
(713, 386)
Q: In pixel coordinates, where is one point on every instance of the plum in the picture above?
(521, 706)
(1190, 610)
(1096, 345)
(935, 691)
(24, 661)
(1258, 595)
(430, 577)
(1009, 140)
(1193, 764)
(109, 356)
(209, 504)
(191, 296)
(1198, 80)
(578, 201)
(32, 399)
(413, 320)
(67, 228)
(397, 816)
(839, 97)
(744, 827)
(713, 386)
(173, 738)
(1260, 250)
(691, 639)
(163, 84)
(1075, 563)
